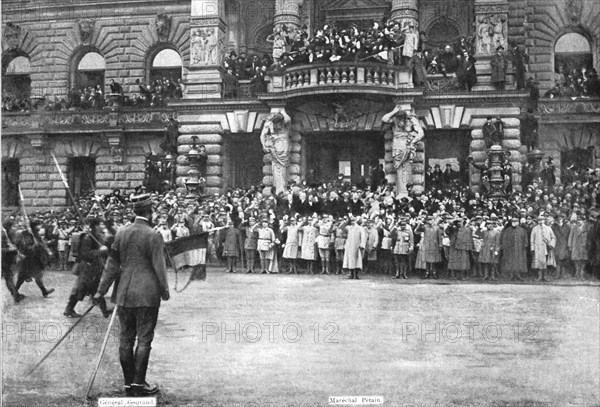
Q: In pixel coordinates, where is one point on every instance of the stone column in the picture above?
(287, 12)
(208, 47)
(293, 172)
(412, 171)
(406, 12)
(491, 31)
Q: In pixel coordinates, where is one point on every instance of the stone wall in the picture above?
(54, 43)
(541, 24)
(556, 138)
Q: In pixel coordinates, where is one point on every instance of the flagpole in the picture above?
(60, 340)
(102, 349)
(28, 225)
(66, 185)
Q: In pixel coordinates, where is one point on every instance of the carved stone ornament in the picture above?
(86, 30)
(491, 8)
(163, 26)
(491, 33)
(11, 36)
(574, 8)
(205, 46)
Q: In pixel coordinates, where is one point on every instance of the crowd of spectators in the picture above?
(93, 97)
(13, 103)
(580, 82)
(328, 209)
(244, 67)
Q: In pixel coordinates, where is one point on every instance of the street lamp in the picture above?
(194, 183)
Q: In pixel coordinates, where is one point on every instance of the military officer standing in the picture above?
(137, 263)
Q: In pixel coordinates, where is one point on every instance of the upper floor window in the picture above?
(16, 83)
(166, 65)
(90, 71)
(573, 58)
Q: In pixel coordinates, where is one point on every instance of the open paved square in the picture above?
(277, 340)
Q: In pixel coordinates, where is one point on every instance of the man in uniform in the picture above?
(9, 256)
(354, 248)
(137, 261)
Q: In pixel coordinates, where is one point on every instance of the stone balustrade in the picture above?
(341, 75)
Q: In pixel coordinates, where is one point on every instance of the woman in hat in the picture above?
(461, 244)
(432, 246)
(513, 254)
(63, 232)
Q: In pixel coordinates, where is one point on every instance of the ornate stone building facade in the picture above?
(336, 108)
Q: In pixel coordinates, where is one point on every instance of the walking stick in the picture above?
(61, 339)
(104, 343)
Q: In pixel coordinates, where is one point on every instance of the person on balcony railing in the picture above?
(258, 83)
(417, 64)
(411, 42)
(466, 73)
(278, 41)
(499, 65)
(519, 60)
(11, 103)
(447, 60)
(115, 87)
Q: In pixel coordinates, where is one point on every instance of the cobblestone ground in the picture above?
(278, 340)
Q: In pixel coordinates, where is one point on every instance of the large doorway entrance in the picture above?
(448, 146)
(354, 154)
(244, 165)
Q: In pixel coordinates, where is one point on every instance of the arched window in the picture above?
(90, 71)
(572, 52)
(166, 63)
(15, 77)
